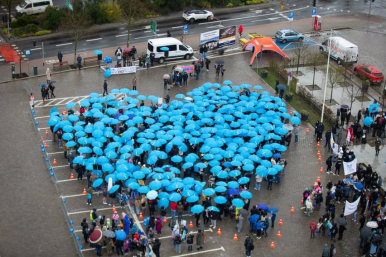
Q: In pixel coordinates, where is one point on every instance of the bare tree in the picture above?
(334, 77)
(352, 91)
(315, 59)
(131, 10)
(77, 23)
(300, 52)
(8, 4)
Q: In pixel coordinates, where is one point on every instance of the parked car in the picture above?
(342, 50)
(370, 73)
(193, 15)
(30, 7)
(287, 35)
(249, 37)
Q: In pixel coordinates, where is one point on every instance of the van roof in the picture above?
(164, 40)
(343, 41)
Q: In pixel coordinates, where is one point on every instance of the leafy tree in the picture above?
(77, 23)
(52, 17)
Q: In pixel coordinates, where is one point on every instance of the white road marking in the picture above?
(95, 39)
(215, 26)
(177, 27)
(43, 128)
(65, 180)
(148, 31)
(200, 252)
(146, 27)
(168, 218)
(123, 35)
(195, 232)
(103, 247)
(158, 35)
(42, 117)
(60, 166)
(64, 44)
(56, 153)
(87, 211)
(259, 11)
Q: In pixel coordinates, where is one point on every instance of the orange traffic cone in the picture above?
(318, 153)
(272, 245)
(46, 132)
(140, 216)
(291, 113)
(114, 210)
(235, 237)
(54, 162)
(84, 191)
(45, 144)
(321, 170)
(280, 222)
(315, 184)
(219, 232)
(191, 224)
(292, 210)
(165, 220)
(302, 201)
(319, 159)
(318, 179)
(318, 144)
(308, 130)
(73, 177)
(278, 234)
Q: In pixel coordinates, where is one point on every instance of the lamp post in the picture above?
(368, 17)
(325, 84)
(261, 56)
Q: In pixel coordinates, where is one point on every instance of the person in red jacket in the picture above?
(313, 228)
(173, 207)
(241, 29)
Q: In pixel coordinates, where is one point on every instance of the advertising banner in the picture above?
(210, 39)
(123, 70)
(227, 36)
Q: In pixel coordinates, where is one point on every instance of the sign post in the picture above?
(185, 28)
(313, 12)
(291, 17)
(68, 5)
(153, 27)
(27, 52)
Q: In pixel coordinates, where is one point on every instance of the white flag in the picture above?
(351, 207)
(350, 167)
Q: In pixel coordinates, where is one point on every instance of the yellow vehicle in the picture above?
(249, 37)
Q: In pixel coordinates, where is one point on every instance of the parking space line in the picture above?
(55, 153)
(60, 166)
(168, 218)
(42, 117)
(200, 252)
(44, 128)
(87, 211)
(103, 247)
(195, 232)
(65, 180)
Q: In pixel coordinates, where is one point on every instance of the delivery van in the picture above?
(341, 50)
(177, 50)
(30, 7)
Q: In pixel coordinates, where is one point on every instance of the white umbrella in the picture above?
(288, 126)
(166, 76)
(372, 224)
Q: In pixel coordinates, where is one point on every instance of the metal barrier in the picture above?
(54, 179)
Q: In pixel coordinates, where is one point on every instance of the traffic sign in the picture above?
(185, 29)
(68, 4)
(27, 52)
(153, 27)
(291, 16)
(313, 12)
(282, 7)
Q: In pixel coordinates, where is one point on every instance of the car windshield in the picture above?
(22, 5)
(248, 37)
(378, 74)
(279, 33)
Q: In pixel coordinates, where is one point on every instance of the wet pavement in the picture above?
(38, 214)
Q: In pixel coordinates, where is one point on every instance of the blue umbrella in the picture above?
(238, 202)
(219, 189)
(155, 185)
(233, 191)
(143, 189)
(295, 120)
(373, 108)
(197, 209)
(208, 192)
(262, 206)
(272, 210)
(70, 105)
(132, 185)
(97, 52)
(176, 158)
(139, 174)
(175, 197)
(187, 165)
(220, 200)
(122, 176)
(97, 182)
(163, 202)
(233, 184)
(152, 194)
(368, 121)
(120, 235)
(254, 218)
(71, 144)
(359, 186)
(246, 194)
(213, 208)
(187, 192)
(113, 189)
(192, 199)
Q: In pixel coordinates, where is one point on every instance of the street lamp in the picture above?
(261, 56)
(325, 84)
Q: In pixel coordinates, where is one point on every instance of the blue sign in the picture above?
(313, 12)
(27, 52)
(185, 29)
(291, 15)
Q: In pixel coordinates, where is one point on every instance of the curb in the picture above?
(145, 22)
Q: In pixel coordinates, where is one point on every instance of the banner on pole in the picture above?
(350, 167)
(351, 207)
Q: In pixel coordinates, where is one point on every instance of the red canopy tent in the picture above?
(267, 43)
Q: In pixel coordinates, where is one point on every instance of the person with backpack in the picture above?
(189, 241)
(334, 231)
(326, 251)
(177, 243)
(84, 226)
(329, 164)
(248, 244)
(312, 229)
(200, 239)
(375, 240)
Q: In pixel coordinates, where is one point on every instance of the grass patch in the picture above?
(297, 101)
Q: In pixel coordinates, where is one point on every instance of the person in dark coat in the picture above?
(156, 247)
(79, 61)
(60, 57)
(84, 225)
(105, 88)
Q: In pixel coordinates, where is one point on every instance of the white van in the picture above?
(341, 50)
(177, 50)
(30, 7)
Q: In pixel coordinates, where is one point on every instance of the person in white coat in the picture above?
(48, 74)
